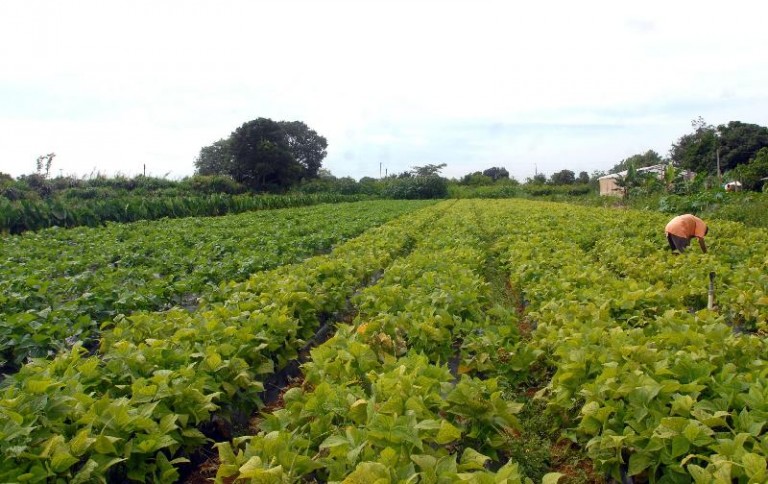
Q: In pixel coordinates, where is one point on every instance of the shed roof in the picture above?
(646, 169)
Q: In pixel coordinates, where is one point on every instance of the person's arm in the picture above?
(702, 245)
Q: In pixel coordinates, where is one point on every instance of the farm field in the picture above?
(57, 286)
(473, 341)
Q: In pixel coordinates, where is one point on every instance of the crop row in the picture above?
(57, 286)
(135, 410)
(388, 398)
(23, 215)
(653, 384)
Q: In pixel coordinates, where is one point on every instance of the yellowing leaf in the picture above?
(81, 442)
(447, 433)
(62, 461)
(551, 478)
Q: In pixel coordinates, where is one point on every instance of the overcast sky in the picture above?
(548, 85)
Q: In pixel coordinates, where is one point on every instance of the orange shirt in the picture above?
(686, 226)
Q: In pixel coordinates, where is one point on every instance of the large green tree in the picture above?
(739, 143)
(753, 175)
(261, 156)
(215, 159)
(266, 155)
(728, 145)
(306, 146)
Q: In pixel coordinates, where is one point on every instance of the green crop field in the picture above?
(477, 341)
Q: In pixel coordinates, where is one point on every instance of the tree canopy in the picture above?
(563, 177)
(428, 170)
(266, 155)
(735, 144)
(649, 158)
(215, 159)
(496, 173)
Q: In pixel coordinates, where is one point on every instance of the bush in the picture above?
(417, 187)
(210, 184)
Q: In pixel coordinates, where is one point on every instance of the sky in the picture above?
(535, 87)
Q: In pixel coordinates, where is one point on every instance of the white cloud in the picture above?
(556, 84)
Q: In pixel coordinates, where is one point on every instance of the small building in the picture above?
(608, 185)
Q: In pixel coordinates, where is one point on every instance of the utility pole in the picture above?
(379, 169)
(719, 175)
(145, 169)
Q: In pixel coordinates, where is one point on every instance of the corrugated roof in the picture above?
(660, 168)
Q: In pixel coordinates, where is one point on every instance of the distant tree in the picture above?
(325, 174)
(697, 151)
(564, 177)
(739, 143)
(265, 155)
(44, 162)
(583, 178)
(649, 158)
(476, 179)
(306, 146)
(752, 174)
(215, 159)
(538, 179)
(629, 181)
(261, 156)
(496, 173)
(428, 170)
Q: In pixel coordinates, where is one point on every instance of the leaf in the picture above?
(699, 474)
(472, 460)
(226, 455)
(368, 473)
(428, 425)
(81, 442)
(62, 461)
(334, 441)
(251, 466)
(447, 433)
(37, 387)
(551, 478)
(754, 466)
(105, 444)
(424, 461)
(86, 472)
(638, 462)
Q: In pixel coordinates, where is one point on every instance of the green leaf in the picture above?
(369, 473)
(62, 461)
(86, 472)
(699, 474)
(680, 445)
(638, 462)
(551, 478)
(334, 441)
(472, 460)
(251, 466)
(81, 442)
(105, 444)
(424, 461)
(754, 466)
(447, 433)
